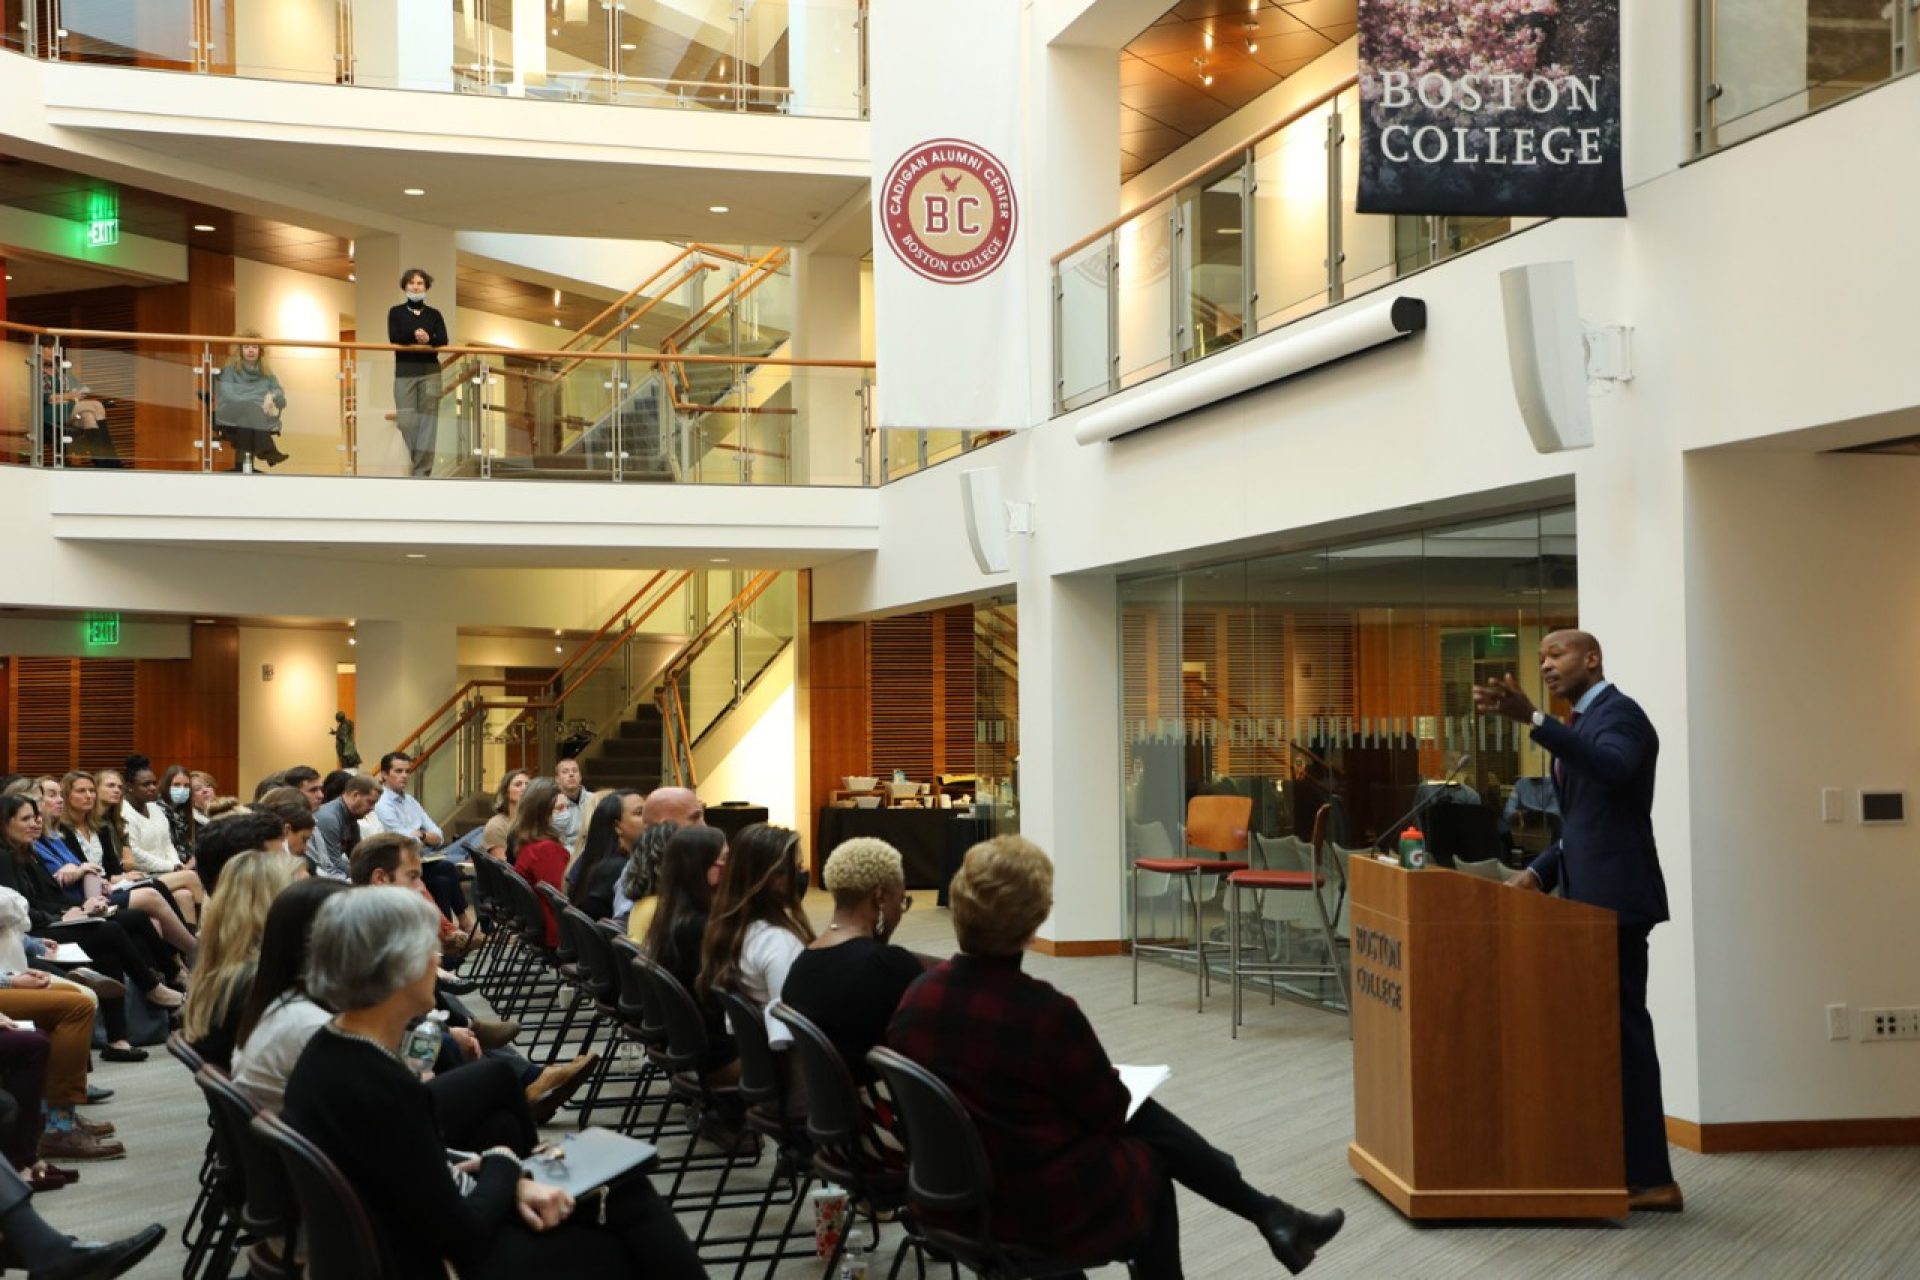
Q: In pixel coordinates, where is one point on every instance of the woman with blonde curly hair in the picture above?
(851, 979)
(230, 950)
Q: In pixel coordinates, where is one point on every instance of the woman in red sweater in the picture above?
(540, 855)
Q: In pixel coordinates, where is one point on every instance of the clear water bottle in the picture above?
(421, 1048)
(858, 1256)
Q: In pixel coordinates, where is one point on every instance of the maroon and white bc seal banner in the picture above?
(948, 211)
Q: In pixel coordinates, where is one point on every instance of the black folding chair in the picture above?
(340, 1240)
(763, 1089)
(265, 1213)
(950, 1180)
(197, 1221)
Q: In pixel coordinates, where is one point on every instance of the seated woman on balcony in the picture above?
(540, 854)
(236, 918)
(497, 838)
(373, 957)
(247, 400)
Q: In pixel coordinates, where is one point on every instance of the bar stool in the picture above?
(1309, 881)
(1216, 824)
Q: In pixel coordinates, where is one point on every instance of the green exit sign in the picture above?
(103, 218)
(103, 630)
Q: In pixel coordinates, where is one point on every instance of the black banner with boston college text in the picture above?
(1493, 108)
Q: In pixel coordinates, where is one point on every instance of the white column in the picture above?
(405, 668)
(826, 326)
(378, 262)
(403, 44)
(1069, 767)
(823, 57)
(530, 18)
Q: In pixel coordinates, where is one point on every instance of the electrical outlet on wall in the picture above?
(1837, 1027)
(1890, 1024)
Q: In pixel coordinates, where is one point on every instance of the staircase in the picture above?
(593, 415)
(628, 690)
(630, 756)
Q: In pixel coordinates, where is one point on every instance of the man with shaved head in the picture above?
(666, 811)
(1604, 758)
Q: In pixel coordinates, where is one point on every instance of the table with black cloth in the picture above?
(735, 818)
(931, 841)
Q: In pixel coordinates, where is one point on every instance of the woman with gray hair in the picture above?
(373, 956)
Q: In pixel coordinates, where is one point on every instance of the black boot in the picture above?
(1295, 1235)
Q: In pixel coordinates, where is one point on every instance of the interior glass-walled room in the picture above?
(1341, 679)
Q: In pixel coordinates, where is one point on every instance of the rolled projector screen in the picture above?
(1230, 374)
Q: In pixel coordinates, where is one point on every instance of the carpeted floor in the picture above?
(1280, 1100)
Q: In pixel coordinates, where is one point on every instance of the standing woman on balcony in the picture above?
(416, 373)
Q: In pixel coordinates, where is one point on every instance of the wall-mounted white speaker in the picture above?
(986, 515)
(1547, 355)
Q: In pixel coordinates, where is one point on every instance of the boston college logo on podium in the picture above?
(948, 211)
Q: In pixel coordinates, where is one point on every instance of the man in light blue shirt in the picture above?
(399, 811)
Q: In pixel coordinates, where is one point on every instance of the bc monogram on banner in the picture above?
(949, 277)
(1490, 107)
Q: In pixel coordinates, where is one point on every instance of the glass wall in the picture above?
(1335, 685)
(996, 709)
(1238, 252)
(1765, 62)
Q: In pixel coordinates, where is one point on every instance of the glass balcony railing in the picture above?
(1267, 235)
(778, 57)
(88, 399)
(1764, 63)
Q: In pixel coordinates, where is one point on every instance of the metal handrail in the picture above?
(638, 357)
(1200, 171)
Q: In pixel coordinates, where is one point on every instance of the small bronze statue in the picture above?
(343, 747)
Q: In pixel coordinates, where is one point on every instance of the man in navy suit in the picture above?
(1603, 767)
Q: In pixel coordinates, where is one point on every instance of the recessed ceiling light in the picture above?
(558, 649)
(719, 560)
(352, 278)
(557, 631)
(556, 297)
(353, 622)
(416, 555)
(413, 191)
(629, 48)
(352, 640)
(203, 622)
(203, 226)
(556, 322)
(9, 277)
(718, 208)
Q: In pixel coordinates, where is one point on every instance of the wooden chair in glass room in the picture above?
(1216, 825)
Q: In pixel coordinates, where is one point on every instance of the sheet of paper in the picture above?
(1141, 1082)
(70, 953)
(21, 1024)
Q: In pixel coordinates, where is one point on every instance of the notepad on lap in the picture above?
(69, 953)
(591, 1158)
(1141, 1082)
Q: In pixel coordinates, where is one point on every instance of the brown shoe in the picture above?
(98, 983)
(98, 1128)
(547, 1094)
(73, 1144)
(1665, 1199)
(494, 1033)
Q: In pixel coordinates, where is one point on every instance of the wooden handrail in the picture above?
(689, 251)
(1195, 174)
(640, 357)
(747, 595)
(606, 626)
(758, 271)
(458, 694)
(631, 627)
(598, 347)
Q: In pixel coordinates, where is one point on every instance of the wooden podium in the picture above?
(1486, 1048)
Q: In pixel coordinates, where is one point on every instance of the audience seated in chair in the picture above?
(235, 918)
(618, 819)
(1073, 1176)
(667, 810)
(373, 956)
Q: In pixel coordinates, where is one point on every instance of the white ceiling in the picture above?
(535, 195)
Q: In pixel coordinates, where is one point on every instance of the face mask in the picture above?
(416, 295)
(806, 878)
(179, 795)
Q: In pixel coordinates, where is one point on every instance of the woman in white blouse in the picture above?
(279, 1017)
(757, 928)
(150, 838)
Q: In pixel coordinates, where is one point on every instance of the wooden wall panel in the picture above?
(187, 711)
(167, 412)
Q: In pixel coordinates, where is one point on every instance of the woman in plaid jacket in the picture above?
(1074, 1177)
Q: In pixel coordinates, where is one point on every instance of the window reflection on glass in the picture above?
(1334, 686)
